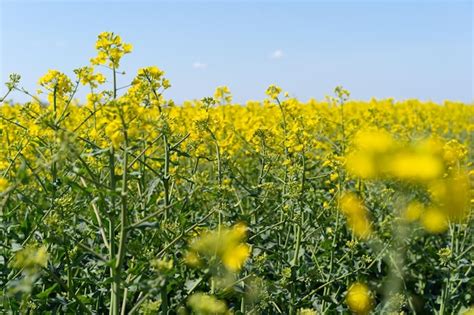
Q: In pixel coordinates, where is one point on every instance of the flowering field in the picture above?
(130, 203)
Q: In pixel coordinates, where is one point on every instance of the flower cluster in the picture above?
(58, 85)
(87, 76)
(225, 244)
(356, 214)
(110, 50)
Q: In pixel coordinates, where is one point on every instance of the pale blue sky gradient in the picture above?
(401, 49)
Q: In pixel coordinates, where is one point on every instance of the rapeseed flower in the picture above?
(225, 244)
(359, 299)
(356, 215)
(3, 184)
(110, 48)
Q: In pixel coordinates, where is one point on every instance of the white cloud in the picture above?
(277, 54)
(199, 65)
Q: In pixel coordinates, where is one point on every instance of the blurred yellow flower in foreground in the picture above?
(356, 215)
(359, 298)
(30, 258)
(434, 221)
(204, 304)
(3, 184)
(452, 195)
(225, 244)
(415, 166)
(234, 258)
(376, 154)
(413, 211)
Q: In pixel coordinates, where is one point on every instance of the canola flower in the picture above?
(359, 299)
(356, 215)
(225, 243)
(87, 76)
(31, 257)
(434, 220)
(222, 95)
(3, 184)
(204, 304)
(273, 91)
(58, 86)
(110, 50)
(376, 155)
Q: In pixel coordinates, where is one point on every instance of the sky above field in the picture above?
(402, 49)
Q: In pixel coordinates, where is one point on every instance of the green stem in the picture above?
(113, 292)
(166, 176)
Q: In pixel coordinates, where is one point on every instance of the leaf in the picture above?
(44, 295)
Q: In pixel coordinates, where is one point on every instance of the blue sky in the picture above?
(402, 49)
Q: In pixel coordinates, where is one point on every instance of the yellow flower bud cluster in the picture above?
(110, 50)
(273, 91)
(222, 95)
(87, 76)
(58, 85)
(147, 87)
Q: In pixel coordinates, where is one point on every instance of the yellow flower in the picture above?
(413, 211)
(162, 265)
(362, 165)
(3, 184)
(307, 311)
(204, 304)
(31, 257)
(376, 154)
(434, 221)
(115, 133)
(127, 48)
(58, 85)
(375, 141)
(86, 75)
(225, 243)
(369, 148)
(351, 205)
(222, 95)
(452, 195)
(273, 91)
(192, 259)
(110, 47)
(454, 152)
(359, 298)
(412, 166)
(356, 215)
(234, 257)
